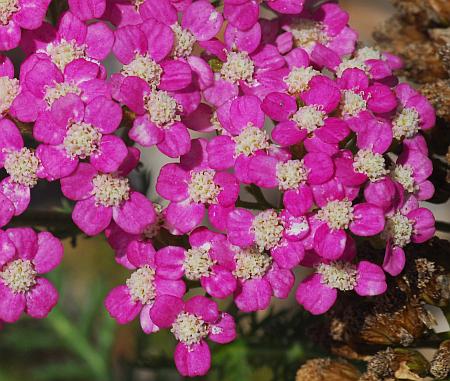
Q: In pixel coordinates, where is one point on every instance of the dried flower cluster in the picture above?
(284, 100)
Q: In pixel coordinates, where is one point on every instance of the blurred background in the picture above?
(79, 342)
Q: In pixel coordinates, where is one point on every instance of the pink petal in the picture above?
(287, 133)
(394, 260)
(230, 188)
(104, 114)
(220, 284)
(7, 210)
(224, 331)
(328, 243)
(160, 10)
(55, 160)
(79, 186)
(147, 324)
(160, 39)
(194, 360)
(281, 280)
(7, 249)
(247, 40)
(176, 142)
(242, 16)
(202, 19)
(254, 295)
(92, 219)
(221, 151)
(41, 299)
(239, 223)
(129, 40)
(245, 110)
(279, 106)
(368, 220)
(135, 214)
(140, 253)
(25, 240)
(112, 151)
(315, 296)
(10, 138)
(321, 167)
(120, 305)
(11, 305)
(172, 183)
(371, 279)
(288, 254)
(177, 75)
(165, 310)
(87, 9)
(170, 287)
(169, 262)
(204, 308)
(184, 216)
(145, 132)
(49, 253)
(263, 171)
(424, 224)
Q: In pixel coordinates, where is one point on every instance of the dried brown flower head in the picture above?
(327, 370)
(440, 365)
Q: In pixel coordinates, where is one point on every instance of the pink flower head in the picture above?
(310, 121)
(73, 39)
(124, 243)
(102, 197)
(415, 113)
(43, 83)
(71, 131)
(23, 168)
(141, 291)
(246, 65)
(324, 34)
(16, 15)
(292, 177)
(25, 255)
(191, 323)
(209, 260)
(267, 232)
(409, 223)
(9, 86)
(190, 191)
(377, 65)
(318, 292)
(243, 14)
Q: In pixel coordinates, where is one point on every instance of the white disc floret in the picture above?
(251, 264)
(82, 140)
(404, 175)
(7, 10)
(163, 109)
(291, 174)
(59, 90)
(64, 52)
(337, 214)
(267, 229)
(184, 41)
(310, 118)
(202, 188)
(9, 89)
(238, 67)
(399, 229)
(141, 285)
(145, 68)
(298, 79)
(19, 275)
(371, 164)
(340, 275)
(110, 190)
(22, 166)
(406, 123)
(250, 140)
(189, 329)
(353, 103)
(197, 262)
(307, 33)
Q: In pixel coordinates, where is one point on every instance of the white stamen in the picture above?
(110, 190)
(184, 41)
(308, 32)
(406, 123)
(163, 109)
(291, 174)
(189, 329)
(404, 174)
(309, 118)
(351, 63)
(250, 140)
(141, 285)
(9, 89)
(7, 10)
(145, 68)
(371, 164)
(64, 52)
(197, 262)
(238, 67)
(340, 275)
(202, 187)
(399, 229)
(82, 140)
(251, 264)
(59, 90)
(19, 275)
(298, 79)
(368, 53)
(337, 214)
(267, 229)
(353, 103)
(22, 166)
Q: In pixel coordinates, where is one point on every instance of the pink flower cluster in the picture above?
(284, 102)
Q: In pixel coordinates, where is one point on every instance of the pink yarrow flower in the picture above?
(9, 86)
(24, 256)
(142, 289)
(191, 322)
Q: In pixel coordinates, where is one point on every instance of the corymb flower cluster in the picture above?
(281, 100)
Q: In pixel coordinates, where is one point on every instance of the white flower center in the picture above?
(371, 164)
(351, 63)
(406, 123)
(404, 175)
(291, 174)
(251, 264)
(298, 79)
(307, 32)
(59, 90)
(296, 225)
(141, 285)
(163, 109)
(153, 229)
(368, 53)
(267, 229)
(184, 41)
(7, 9)
(22, 166)
(82, 140)
(9, 88)
(353, 103)
(250, 140)
(110, 190)
(202, 187)
(197, 262)
(340, 275)
(399, 229)
(64, 52)
(337, 214)
(189, 329)
(309, 118)
(19, 275)
(238, 67)
(145, 68)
